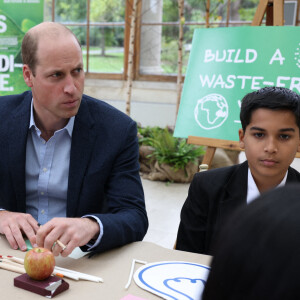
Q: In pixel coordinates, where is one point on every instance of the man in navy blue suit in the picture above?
(68, 162)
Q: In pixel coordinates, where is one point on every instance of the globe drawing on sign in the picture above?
(211, 111)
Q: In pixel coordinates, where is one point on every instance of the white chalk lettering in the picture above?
(280, 79)
(237, 60)
(277, 57)
(230, 52)
(295, 84)
(243, 78)
(255, 82)
(218, 59)
(230, 80)
(245, 81)
(206, 81)
(236, 56)
(208, 56)
(250, 52)
(219, 82)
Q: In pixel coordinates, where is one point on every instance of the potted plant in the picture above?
(165, 157)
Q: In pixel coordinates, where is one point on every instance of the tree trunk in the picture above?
(102, 42)
(180, 44)
(130, 56)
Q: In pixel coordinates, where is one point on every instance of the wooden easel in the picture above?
(273, 10)
(212, 145)
(274, 16)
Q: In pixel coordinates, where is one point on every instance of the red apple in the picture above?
(39, 263)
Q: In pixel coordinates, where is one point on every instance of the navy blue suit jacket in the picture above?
(104, 170)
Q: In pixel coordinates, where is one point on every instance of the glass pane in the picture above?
(170, 9)
(159, 49)
(169, 51)
(151, 37)
(107, 10)
(243, 10)
(240, 11)
(70, 11)
(80, 33)
(106, 53)
(160, 32)
(151, 48)
(47, 10)
(218, 12)
(169, 54)
(195, 10)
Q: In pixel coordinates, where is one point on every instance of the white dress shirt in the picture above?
(252, 190)
(47, 172)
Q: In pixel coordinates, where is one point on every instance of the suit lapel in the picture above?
(293, 176)
(18, 130)
(236, 190)
(235, 193)
(83, 138)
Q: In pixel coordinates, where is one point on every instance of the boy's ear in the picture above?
(298, 150)
(241, 138)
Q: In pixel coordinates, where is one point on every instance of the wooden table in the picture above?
(113, 266)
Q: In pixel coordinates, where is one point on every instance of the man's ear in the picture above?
(27, 74)
(241, 138)
(298, 150)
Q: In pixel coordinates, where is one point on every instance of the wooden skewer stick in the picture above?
(58, 270)
(15, 259)
(66, 274)
(10, 265)
(80, 275)
(10, 262)
(63, 246)
(12, 268)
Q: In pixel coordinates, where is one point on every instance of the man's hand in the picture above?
(72, 232)
(14, 225)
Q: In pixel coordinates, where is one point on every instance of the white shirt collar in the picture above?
(252, 190)
(69, 127)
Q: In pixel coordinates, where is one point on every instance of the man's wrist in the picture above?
(95, 228)
(97, 234)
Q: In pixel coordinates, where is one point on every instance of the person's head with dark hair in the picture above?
(270, 137)
(270, 133)
(274, 98)
(258, 251)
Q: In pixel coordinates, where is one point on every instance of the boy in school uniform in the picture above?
(270, 137)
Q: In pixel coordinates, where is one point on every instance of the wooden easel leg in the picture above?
(209, 155)
(273, 10)
(278, 12)
(260, 12)
(270, 14)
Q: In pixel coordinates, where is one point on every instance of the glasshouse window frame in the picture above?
(137, 43)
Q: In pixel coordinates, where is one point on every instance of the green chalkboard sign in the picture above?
(227, 63)
(16, 18)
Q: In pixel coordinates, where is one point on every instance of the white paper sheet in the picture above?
(173, 279)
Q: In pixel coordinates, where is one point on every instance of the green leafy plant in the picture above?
(147, 134)
(169, 149)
